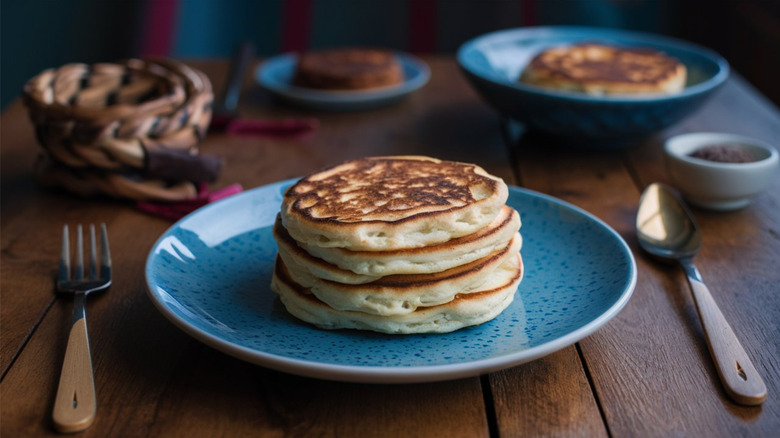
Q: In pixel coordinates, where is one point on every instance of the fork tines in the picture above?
(78, 268)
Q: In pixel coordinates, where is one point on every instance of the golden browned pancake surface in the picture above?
(387, 203)
(348, 69)
(598, 69)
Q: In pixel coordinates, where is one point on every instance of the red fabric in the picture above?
(422, 26)
(177, 210)
(278, 128)
(159, 28)
(296, 27)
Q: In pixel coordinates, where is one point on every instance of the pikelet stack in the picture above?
(402, 244)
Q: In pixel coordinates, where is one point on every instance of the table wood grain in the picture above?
(645, 373)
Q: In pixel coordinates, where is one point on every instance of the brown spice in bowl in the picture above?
(723, 153)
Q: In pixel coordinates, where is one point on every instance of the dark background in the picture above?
(38, 34)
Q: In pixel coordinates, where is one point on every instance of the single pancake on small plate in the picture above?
(604, 70)
(348, 69)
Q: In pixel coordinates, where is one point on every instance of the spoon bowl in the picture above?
(665, 228)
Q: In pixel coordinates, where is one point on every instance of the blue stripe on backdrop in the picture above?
(213, 28)
(659, 16)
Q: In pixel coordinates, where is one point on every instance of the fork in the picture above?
(75, 404)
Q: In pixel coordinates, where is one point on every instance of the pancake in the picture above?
(367, 266)
(297, 258)
(348, 69)
(391, 203)
(402, 294)
(597, 69)
(463, 311)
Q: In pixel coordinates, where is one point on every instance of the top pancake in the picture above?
(598, 69)
(389, 203)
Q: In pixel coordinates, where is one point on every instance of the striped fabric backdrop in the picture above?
(214, 27)
(38, 34)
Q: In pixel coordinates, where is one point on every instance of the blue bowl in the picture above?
(493, 64)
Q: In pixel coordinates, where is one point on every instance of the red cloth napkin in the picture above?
(177, 210)
(272, 128)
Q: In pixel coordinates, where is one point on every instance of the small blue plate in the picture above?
(210, 273)
(276, 76)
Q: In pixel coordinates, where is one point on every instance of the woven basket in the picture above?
(129, 129)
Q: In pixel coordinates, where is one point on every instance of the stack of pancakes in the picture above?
(403, 244)
(603, 70)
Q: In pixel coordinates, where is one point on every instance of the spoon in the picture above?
(666, 229)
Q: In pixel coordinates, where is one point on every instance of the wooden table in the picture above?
(646, 373)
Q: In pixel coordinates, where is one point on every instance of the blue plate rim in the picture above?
(385, 374)
(715, 81)
(264, 76)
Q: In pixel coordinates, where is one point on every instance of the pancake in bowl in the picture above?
(603, 70)
(391, 203)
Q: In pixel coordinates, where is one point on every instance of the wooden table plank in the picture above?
(19, 150)
(250, 400)
(550, 396)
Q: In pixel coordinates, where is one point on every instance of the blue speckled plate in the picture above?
(210, 273)
(276, 74)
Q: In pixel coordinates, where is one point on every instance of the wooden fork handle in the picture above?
(75, 404)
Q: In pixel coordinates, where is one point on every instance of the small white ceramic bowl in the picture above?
(718, 185)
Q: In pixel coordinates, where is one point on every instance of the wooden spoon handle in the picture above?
(75, 404)
(737, 373)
